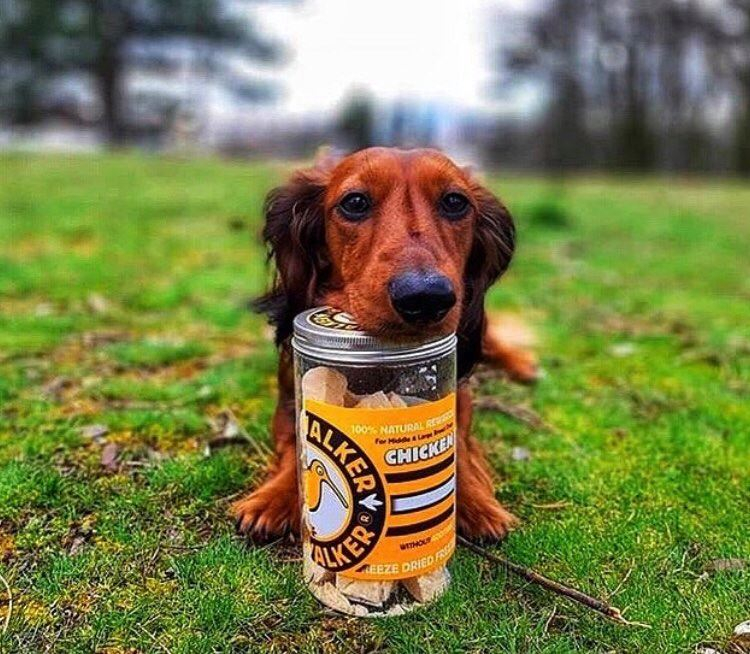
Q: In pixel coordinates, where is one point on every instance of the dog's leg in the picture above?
(480, 515)
(272, 510)
(502, 348)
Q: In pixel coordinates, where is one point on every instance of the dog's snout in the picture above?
(421, 297)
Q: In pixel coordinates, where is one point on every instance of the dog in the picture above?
(408, 243)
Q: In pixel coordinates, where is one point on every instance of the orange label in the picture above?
(379, 487)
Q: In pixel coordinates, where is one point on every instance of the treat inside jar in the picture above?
(377, 533)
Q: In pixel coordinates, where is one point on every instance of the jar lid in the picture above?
(330, 333)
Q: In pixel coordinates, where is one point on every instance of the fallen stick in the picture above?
(600, 606)
(520, 413)
(227, 431)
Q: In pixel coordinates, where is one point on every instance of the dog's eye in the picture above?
(355, 206)
(454, 205)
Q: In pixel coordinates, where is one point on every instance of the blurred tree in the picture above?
(356, 122)
(42, 40)
(742, 134)
(630, 85)
(550, 51)
(735, 29)
(634, 143)
(726, 30)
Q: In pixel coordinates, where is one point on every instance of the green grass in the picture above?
(123, 291)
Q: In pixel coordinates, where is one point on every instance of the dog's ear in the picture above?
(294, 234)
(491, 252)
(493, 246)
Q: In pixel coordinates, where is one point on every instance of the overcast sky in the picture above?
(429, 50)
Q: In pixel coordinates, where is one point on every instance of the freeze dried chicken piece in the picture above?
(412, 400)
(314, 573)
(351, 400)
(396, 400)
(325, 385)
(427, 587)
(377, 400)
(374, 593)
(333, 598)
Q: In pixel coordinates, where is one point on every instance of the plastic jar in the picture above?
(376, 439)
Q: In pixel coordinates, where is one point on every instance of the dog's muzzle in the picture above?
(421, 297)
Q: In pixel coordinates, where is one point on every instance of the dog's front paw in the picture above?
(485, 521)
(267, 514)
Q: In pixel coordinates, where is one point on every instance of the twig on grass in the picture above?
(146, 405)
(184, 548)
(217, 442)
(520, 413)
(619, 586)
(156, 641)
(607, 610)
(228, 431)
(549, 620)
(10, 603)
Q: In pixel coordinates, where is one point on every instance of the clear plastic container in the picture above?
(377, 453)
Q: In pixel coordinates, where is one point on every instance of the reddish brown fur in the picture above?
(323, 259)
(402, 233)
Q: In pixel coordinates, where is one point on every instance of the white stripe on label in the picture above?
(416, 502)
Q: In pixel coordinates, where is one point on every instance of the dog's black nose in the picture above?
(421, 297)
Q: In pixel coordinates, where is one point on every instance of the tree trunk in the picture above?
(109, 78)
(565, 138)
(636, 146)
(742, 145)
(742, 134)
(25, 107)
(110, 24)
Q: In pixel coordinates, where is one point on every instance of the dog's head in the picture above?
(405, 241)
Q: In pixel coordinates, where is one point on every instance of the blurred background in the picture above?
(557, 85)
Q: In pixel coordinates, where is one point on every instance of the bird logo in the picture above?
(316, 478)
(344, 495)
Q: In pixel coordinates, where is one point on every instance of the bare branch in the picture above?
(600, 606)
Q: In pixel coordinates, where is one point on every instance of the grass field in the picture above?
(124, 330)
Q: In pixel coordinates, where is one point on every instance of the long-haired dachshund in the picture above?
(408, 243)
